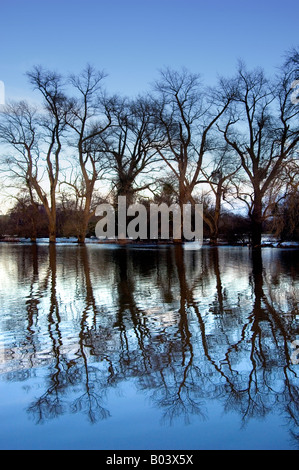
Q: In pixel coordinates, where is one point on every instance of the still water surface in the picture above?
(148, 348)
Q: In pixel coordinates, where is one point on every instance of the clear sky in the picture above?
(132, 39)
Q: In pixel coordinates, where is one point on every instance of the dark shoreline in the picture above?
(139, 243)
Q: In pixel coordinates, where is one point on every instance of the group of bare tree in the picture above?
(237, 142)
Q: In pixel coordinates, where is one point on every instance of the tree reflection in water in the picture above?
(188, 327)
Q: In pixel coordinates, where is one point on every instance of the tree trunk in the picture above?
(184, 198)
(83, 229)
(215, 232)
(214, 237)
(257, 223)
(82, 236)
(83, 226)
(52, 231)
(256, 233)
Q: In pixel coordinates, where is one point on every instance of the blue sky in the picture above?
(132, 39)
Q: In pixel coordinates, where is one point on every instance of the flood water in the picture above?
(148, 348)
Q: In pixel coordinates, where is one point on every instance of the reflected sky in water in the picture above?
(148, 348)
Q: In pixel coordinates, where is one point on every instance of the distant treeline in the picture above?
(31, 222)
(232, 146)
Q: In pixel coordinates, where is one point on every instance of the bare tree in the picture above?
(290, 67)
(262, 129)
(284, 220)
(130, 145)
(187, 113)
(50, 85)
(36, 140)
(218, 174)
(89, 117)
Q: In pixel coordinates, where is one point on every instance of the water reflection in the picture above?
(188, 327)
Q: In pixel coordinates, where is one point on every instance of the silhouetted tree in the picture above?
(89, 117)
(218, 174)
(262, 129)
(130, 145)
(36, 141)
(187, 114)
